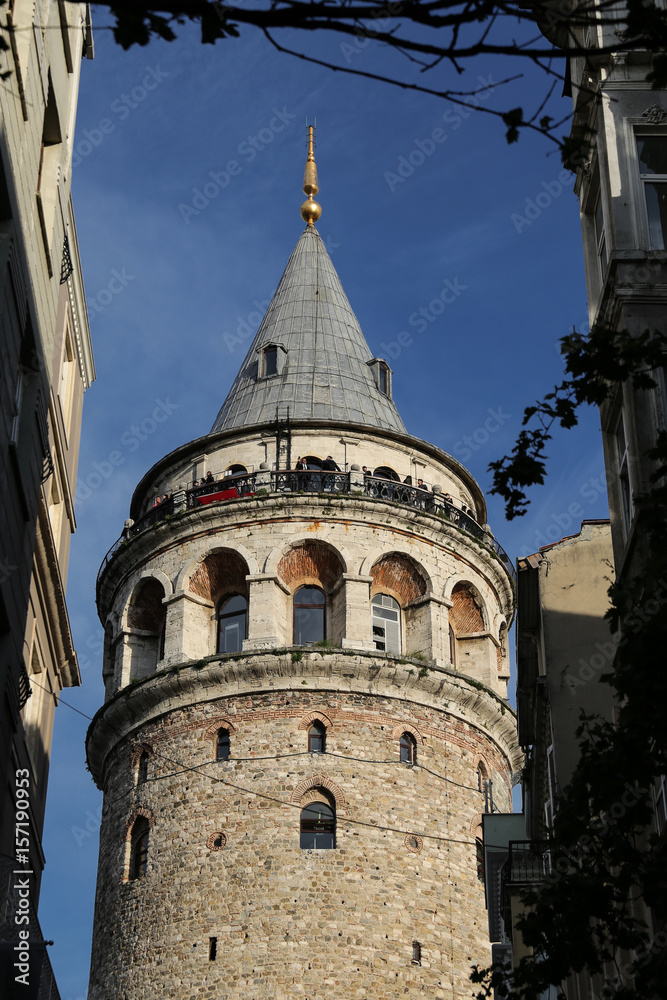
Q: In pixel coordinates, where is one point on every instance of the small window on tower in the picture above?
(408, 749)
(381, 375)
(270, 361)
(316, 737)
(222, 745)
(139, 849)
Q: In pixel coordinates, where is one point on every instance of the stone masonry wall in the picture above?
(287, 922)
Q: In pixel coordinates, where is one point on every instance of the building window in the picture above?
(142, 769)
(318, 827)
(416, 953)
(269, 361)
(408, 749)
(386, 623)
(652, 157)
(222, 745)
(232, 624)
(624, 479)
(600, 236)
(660, 795)
(316, 738)
(452, 646)
(139, 848)
(381, 375)
(308, 615)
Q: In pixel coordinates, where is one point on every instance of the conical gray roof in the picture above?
(323, 370)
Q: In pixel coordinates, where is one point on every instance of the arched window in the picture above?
(384, 472)
(308, 615)
(142, 770)
(318, 827)
(139, 848)
(316, 737)
(222, 745)
(232, 624)
(386, 623)
(452, 646)
(408, 748)
(236, 470)
(481, 778)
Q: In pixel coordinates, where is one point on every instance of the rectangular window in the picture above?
(624, 480)
(600, 236)
(660, 795)
(652, 158)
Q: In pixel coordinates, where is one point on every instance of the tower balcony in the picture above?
(258, 485)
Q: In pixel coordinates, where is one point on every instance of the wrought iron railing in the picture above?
(230, 488)
(311, 481)
(41, 981)
(528, 863)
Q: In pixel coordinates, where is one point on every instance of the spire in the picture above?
(310, 210)
(321, 361)
(309, 353)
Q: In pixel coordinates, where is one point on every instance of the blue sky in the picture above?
(175, 279)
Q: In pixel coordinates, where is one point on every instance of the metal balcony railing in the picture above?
(231, 488)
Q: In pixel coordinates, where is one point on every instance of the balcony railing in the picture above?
(231, 488)
(528, 864)
(41, 981)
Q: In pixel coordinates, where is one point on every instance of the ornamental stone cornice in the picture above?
(340, 671)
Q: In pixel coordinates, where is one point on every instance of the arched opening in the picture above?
(386, 623)
(318, 826)
(466, 611)
(408, 749)
(223, 745)
(309, 619)
(317, 735)
(384, 472)
(146, 619)
(139, 848)
(312, 462)
(236, 470)
(232, 624)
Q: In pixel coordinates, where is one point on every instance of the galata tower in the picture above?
(306, 675)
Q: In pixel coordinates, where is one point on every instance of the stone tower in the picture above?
(306, 674)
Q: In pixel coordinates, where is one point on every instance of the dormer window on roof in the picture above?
(272, 360)
(382, 375)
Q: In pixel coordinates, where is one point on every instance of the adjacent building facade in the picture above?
(306, 675)
(563, 643)
(46, 366)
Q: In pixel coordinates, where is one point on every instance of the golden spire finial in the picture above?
(310, 210)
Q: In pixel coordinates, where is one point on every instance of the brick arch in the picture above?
(219, 573)
(476, 824)
(311, 561)
(145, 610)
(139, 750)
(467, 611)
(316, 795)
(400, 575)
(211, 730)
(136, 814)
(316, 716)
(406, 727)
(318, 781)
